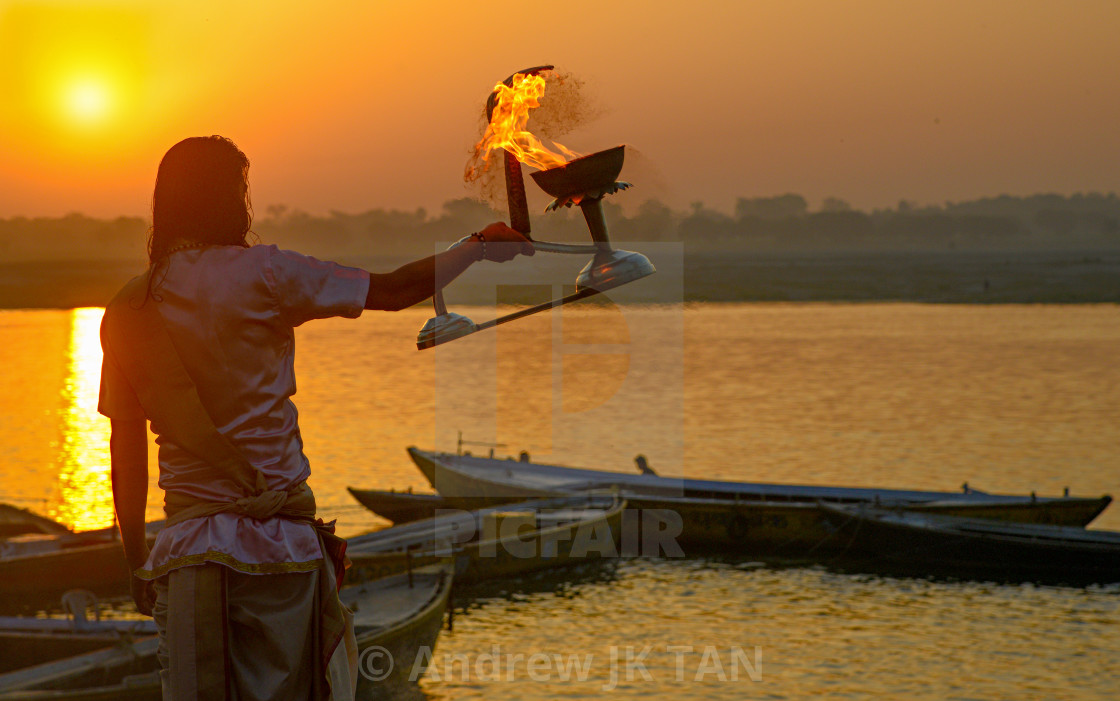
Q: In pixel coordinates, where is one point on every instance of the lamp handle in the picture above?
(515, 196)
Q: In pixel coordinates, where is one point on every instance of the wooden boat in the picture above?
(704, 515)
(459, 476)
(497, 541)
(15, 521)
(34, 543)
(405, 507)
(128, 671)
(35, 571)
(26, 641)
(402, 615)
(30, 582)
(942, 543)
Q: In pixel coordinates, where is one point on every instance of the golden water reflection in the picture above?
(84, 498)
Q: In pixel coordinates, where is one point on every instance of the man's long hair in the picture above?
(201, 196)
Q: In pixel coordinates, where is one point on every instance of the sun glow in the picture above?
(88, 100)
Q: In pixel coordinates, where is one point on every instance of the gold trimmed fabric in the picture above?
(231, 562)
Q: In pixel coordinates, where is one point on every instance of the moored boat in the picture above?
(730, 516)
(29, 582)
(466, 476)
(402, 616)
(15, 521)
(940, 543)
(36, 570)
(496, 541)
(26, 641)
(405, 507)
(128, 671)
(42, 573)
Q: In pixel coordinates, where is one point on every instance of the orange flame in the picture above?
(507, 129)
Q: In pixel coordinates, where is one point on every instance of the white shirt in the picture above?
(230, 312)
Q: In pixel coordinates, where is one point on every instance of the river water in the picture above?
(1006, 398)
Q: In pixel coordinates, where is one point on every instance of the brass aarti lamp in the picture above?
(585, 182)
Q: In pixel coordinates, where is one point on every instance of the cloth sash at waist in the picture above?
(296, 504)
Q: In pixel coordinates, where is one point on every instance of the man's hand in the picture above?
(416, 281)
(143, 593)
(504, 243)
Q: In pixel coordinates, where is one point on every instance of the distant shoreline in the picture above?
(1057, 277)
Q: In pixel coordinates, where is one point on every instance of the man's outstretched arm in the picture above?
(419, 280)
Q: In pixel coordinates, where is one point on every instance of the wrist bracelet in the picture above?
(482, 240)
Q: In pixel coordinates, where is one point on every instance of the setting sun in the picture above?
(88, 101)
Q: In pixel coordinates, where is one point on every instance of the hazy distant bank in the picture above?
(1037, 277)
(784, 225)
(1042, 248)
(981, 278)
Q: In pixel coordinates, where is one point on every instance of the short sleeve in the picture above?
(117, 399)
(307, 288)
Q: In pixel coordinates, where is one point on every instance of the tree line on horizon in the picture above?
(779, 224)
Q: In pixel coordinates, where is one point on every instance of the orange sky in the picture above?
(355, 105)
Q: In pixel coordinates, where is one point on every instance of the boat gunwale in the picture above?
(710, 488)
(1043, 535)
(599, 514)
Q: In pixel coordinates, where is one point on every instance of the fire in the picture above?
(507, 129)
